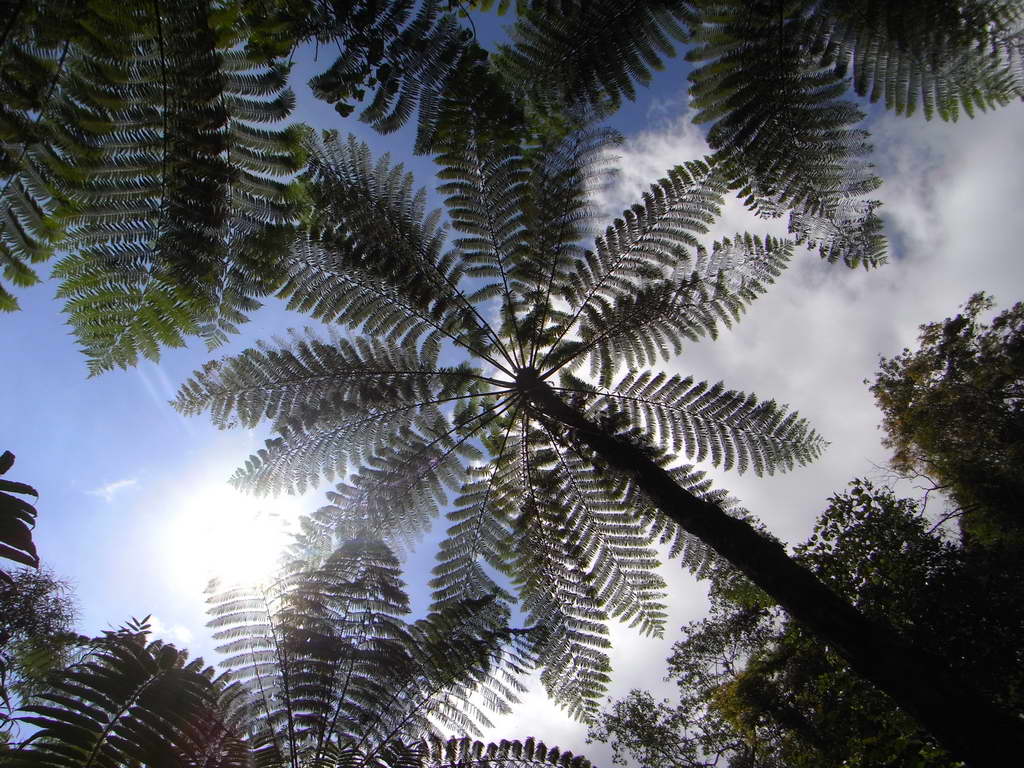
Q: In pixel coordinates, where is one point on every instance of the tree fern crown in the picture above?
(441, 395)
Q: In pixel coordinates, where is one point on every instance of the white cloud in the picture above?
(108, 491)
(178, 634)
(952, 210)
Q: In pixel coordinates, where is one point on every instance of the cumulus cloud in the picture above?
(110, 490)
(951, 208)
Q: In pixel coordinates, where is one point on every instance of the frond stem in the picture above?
(496, 463)
(283, 664)
(501, 264)
(547, 293)
(104, 735)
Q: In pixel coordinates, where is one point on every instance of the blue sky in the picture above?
(132, 493)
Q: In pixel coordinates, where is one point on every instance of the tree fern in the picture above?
(405, 433)
(939, 57)
(35, 48)
(397, 59)
(772, 78)
(786, 134)
(516, 754)
(562, 492)
(328, 669)
(597, 51)
(133, 702)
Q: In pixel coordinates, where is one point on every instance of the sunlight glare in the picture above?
(221, 533)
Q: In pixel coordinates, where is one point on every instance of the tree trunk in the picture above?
(967, 724)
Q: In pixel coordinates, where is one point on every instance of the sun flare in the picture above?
(221, 533)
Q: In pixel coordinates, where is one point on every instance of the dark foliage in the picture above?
(36, 633)
(140, 141)
(954, 411)
(756, 690)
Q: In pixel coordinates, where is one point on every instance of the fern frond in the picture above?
(849, 230)
(590, 51)
(332, 403)
(730, 429)
(650, 323)
(329, 668)
(400, 489)
(129, 701)
(480, 520)
(406, 54)
(466, 753)
(611, 547)
(375, 230)
(651, 241)
(316, 648)
(520, 211)
(36, 47)
(940, 57)
(150, 152)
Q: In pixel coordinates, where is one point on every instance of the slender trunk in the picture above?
(958, 717)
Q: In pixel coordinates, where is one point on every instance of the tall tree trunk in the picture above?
(963, 721)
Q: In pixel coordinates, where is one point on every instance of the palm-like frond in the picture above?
(338, 404)
(35, 47)
(940, 57)
(534, 509)
(731, 429)
(17, 517)
(785, 133)
(773, 75)
(464, 753)
(322, 672)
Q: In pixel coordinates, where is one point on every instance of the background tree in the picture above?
(953, 411)
(321, 670)
(37, 616)
(573, 493)
(384, 404)
(756, 690)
